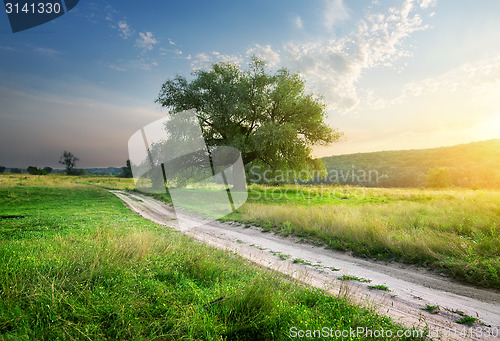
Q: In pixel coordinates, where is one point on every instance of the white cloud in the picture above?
(265, 52)
(146, 41)
(47, 51)
(333, 67)
(201, 61)
(7, 48)
(227, 58)
(205, 61)
(478, 77)
(144, 64)
(121, 26)
(449, 97)
(427, 3)
(124, 29)
(334, 12)
(116, 68)
(178, 53)
(298, 22)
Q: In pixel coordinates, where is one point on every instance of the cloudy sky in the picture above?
(397, 74)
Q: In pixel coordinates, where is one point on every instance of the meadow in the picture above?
(76, 264)
(453, 231)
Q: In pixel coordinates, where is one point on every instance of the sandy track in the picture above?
(411, 288)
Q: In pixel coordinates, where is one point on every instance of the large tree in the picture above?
(270, 118)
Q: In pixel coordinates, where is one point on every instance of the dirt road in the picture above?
(411, 288)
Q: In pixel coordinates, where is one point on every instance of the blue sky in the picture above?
(395, 74)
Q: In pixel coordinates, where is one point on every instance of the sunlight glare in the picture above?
(490, 128)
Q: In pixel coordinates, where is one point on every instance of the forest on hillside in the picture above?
(472, 165)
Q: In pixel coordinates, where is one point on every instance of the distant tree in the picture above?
(69, 161)
(127, 170)
(438, 177)
(16, 171)
(48, 170)
(2, 169)
(33, 170)
(36, 171)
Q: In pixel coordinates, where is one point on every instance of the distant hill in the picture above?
(472, 165)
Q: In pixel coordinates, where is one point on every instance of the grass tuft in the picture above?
(379, 287)
(433, 309)
(467, 320)
(354, 278)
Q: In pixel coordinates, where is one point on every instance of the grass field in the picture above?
(455, 231)
(76, 264)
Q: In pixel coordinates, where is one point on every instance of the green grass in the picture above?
(354, 278)
(456, 231)
(280, 255)
(311, 195)
(301, 261)
(433, 309)
(81, 266)
(467, 320)
(379, 287)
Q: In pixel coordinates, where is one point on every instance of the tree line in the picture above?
(69, 160)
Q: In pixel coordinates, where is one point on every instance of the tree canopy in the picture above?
(268, 117)
(36, 171)
(69, 161)
(127, 170)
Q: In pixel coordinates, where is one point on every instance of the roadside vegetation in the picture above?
(76, 264)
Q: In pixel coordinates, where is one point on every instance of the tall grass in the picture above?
(457, 231)
(78, 265)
